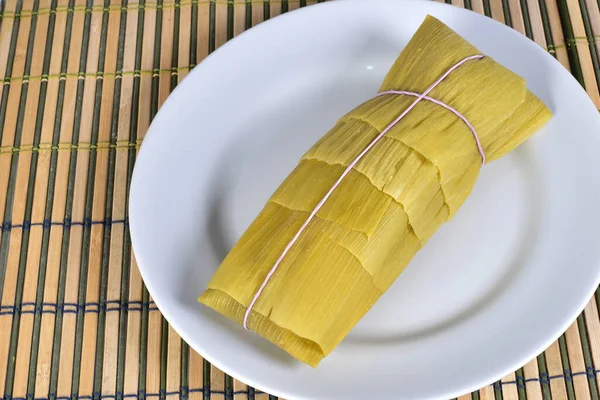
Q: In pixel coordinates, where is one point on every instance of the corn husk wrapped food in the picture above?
(391, 202)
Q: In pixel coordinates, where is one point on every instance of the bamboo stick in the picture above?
(100, 180)
(196, 375)
(134, 328)
(9, 135)
(577, 363)
(6, 35)
(50, 296)
(557, 33)
(509, 391)
(240, 390)
(117, 239)
(31, 261)
(217, 384)
(185, 34)
(593, 327)
(532, 380)
(555, 369)
(68, 371)
(221, 24)
(583, 50)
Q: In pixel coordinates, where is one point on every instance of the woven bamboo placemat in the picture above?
(81, 81)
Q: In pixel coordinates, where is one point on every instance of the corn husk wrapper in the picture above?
(413, 180)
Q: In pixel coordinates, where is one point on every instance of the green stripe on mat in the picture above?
(267, 10)
(206, 380)
(570, 39)
(3, 106)
(526, 19)
(543, 371)
(194, 36)
(498, 390)
(248, 16)
(2, 7)
(126, 272)
(486, 8)
(17, 15)
(230, 17)
(520, 378)
(228, 387)
(506, 9)
(211, 28)
(185, 360)
(547, 29)
(175, 53)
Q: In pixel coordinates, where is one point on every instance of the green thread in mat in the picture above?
(30, 148)
(98, 75)
(120, 8)
(7, 80)
(89, 271)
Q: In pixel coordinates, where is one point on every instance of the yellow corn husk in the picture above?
(388, 206)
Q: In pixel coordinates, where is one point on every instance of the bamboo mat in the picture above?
(81, 83)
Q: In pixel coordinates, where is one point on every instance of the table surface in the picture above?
(81, 81)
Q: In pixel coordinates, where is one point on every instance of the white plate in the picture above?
(491, 290)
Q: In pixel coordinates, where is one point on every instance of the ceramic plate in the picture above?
(491, 290)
